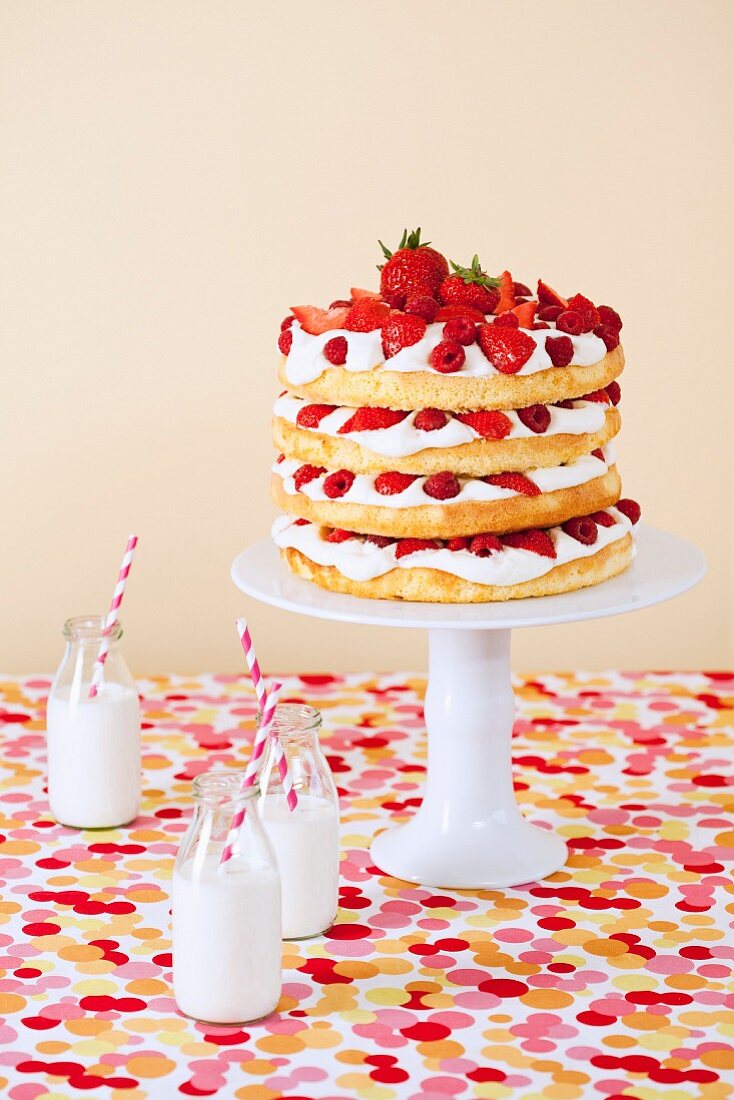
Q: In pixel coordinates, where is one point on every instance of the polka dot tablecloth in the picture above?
(611, 978)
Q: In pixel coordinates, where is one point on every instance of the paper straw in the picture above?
(111, 619)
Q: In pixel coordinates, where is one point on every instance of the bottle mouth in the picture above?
(220, 788)
(90, 628)
(294, 720)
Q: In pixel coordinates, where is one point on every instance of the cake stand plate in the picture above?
(469, 832)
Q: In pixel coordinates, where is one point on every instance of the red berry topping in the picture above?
(599, 453)
(413, 269)
(390, 483)
(609, 335)
(507, 320)
(380, 540)
(423, 306)
(507, 293)
(461, 329)
(603, 519)
(307, 473)
(549, 313)
(614, 392)
(401, 330)
(358, 292)
(412, 546)
(507, 350)
(279, 459)
(315, 321)
(395, 299)
(547, 296)
(335, 350)
(564, 404)
(583, 529)
(489, 423)
(535, 417)
(284, 341)
(525, 314)
(310, 416)
(448, 356)
(366, 315)
(610, 317)
(521, 291)
(446, 313)
(338, 534)
(601, 397)
(470, 286)
(337, 484)
(430, 420)
(570, 321)
(587, 309)
(442, 486)
(458, 543)
(484, 545)
(287, 322)
(539, 325)
(341, 303)
(301, 522)
(629, 508)
(539, 542)
(560, 350)
(369, 419)
(517, 482)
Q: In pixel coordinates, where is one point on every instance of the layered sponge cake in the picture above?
(449, 438)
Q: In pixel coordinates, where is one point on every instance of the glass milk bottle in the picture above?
(226, 917)
(93, 745)
(306, 841)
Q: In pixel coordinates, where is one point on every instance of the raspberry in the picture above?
(391, 482)
(369, 419)
(609, 335)
(614, 392)
(310, 416)
(366, 315)
(630, 509)
(508, 350)
(601, 397)
(520, 290)
(380, 540)
(288, 321)
(459, 543)
(603, 519)
(424, 307)
(307, 473)
(284, 341)
(401, 330)
(338, 534)
(337, 484)
(587, 309)
(412, 546)
(342, 303)
(517, 482)
(335, 350)
(560, 350)
(539, 324)
(564, 404)
(484, 545)
(301, 522)
(539, 542)
(490, 424)
(442, 486)
(610, 317)
(549, 313)
(581, 528)
(507, 320)
(599, 453)
(430, 420)
(448, 356)
(394, 299)
(460, 329)
(570, 321)
(535, 417)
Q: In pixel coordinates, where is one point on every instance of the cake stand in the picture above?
(469, 832)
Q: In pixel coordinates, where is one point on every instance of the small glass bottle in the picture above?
(93, 745)
(226, 917)
(306, 841)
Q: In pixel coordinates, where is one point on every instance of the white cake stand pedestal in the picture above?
(469, 832)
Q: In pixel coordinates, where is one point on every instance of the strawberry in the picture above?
(484, 545)
(583, 529)
(460, 542)
(315, 321)
(526, 314)
(448, 356)
(614, 392)
(446, 313)
(547, 296)
(587, 309)
(430, 420)
(507, 349)
(390, 483)
(412, 546)
(401, 330)
(413, 269)
(335, 350)
(598, 453)
(470, 286)
(341, 303)
(521, 291)
(358, 293)
(601, 397)
(310, 416)
(539, 542)
(629, 508)
(380, 540)
(489, 423)
(366, 315)
(338, 483)
(307, 473)
(507, 320)
(535, 417)
(517, 482)
(442, 486)
(368, 419)
(284, 341)
(507, 294)
(338, 534)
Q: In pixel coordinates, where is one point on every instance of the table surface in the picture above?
(611, 977)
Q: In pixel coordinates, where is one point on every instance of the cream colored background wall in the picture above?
(177, 173)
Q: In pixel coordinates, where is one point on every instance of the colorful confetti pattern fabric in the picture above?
(611, 978)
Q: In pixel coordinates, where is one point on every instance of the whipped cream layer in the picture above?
(306, 361)
(360, 560)
(403, 439)
(363, 490)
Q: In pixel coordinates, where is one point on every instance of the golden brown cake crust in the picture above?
(475, 459)
(445, 520)
(432, 586)
(455, 392)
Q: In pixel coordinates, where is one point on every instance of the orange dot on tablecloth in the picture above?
(605, 948)
(149, 1065)
(11, 1002)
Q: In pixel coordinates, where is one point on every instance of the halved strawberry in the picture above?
(489, 423)
(412, 546)
(314, 320)
(447, 313)
(518, 483)
(508, 349)
(526, 314)
(401, 330)
(369, 419)
(547, 296)
(539, 542)
(366, 315)
(358, 293)
(507, 293)
(310, 416)
(391, 482)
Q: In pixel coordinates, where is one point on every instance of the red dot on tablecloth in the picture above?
(348, 932)
(165, 959)
(426, 1032)
(27, 972)
(104, 1003)
(388, 1075)
(485, 1073)
(52, 864)
(438, 901)
(41, 928)
(503, 987)
(39, 1023)
(554, 923)
(595, 1019)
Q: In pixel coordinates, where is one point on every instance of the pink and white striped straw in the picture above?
(111, 619)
